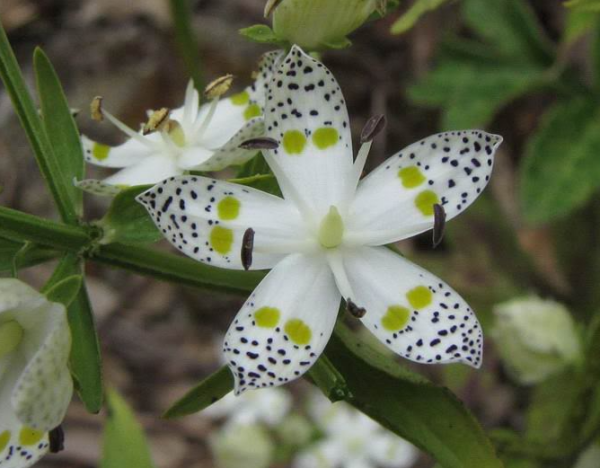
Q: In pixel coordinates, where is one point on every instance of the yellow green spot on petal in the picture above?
(228, 208)
(4, 440)
(325, 137)
(100, 151)
(395, 318)
(30, 436)
(221, 239)
(240, 99)
(425, 201)
(267, 317)
(11, 334)
(294, 142)
(419, 297)
(411, 176)
(298, 331)
(253, 110)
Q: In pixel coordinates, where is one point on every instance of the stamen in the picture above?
(11, 334)
(126, 130)
(157, 121)
(96, 109)
(200, 125)
(56, 437)
(372, 128)
(334, 259)
(355, 311)
(247, 246)
(260, 143)
(218, 87)
(190, 105)
(439, 224)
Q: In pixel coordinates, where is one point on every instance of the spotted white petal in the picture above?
(396, 200)
(150, 170)
(230, 153)
(284, 325)
(306, 113)
(206, 219)
(411, 311)
(124, 155)
(266, 66)
(98, 187)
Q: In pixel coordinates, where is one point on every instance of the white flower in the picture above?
(325, 239)
(535, 337)
(35, 383)
(201, 138)
(269, 407)
(242, 445)
(352, 440)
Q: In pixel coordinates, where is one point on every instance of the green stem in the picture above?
(186, 41)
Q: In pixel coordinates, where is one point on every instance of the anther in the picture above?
(439, 224)
(156, 121)
(247, 248)
(56, 437)
(260, 143)
(270, 6)
(355, 310)
(372, 128)
(218, 87)
(96, 109)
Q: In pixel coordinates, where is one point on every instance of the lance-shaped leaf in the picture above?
(60, 128)
(124, 444)
(65, 291)
(32, 255)
(85, 350)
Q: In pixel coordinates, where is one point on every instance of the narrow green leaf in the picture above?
(33, 255)
(66, 290)
(578, 23)
(325, 376)
(262, 34)
(32, 124)
(86, 364)
(511, 26)
(595, 51)
(413, 14)
(429, 416)
(584, 5)
(561, 169)
(60, 127)
(255, 174)
(182, 15)
(207, 392)
(127, 221)
(124, 441)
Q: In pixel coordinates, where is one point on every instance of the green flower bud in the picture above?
(536, 338)
(247, 445)
(314, 24)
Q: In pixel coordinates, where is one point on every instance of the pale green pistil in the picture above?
(11, 334)
(331, 230)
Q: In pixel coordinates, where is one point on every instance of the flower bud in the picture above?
(314, 24)
(247, 445)
(536, 338)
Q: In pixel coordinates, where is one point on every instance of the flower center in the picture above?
(176, 133)
(331, 230)
(11, 334)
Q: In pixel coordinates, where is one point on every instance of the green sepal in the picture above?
(262, 34)
(15, 255)
(65, 291)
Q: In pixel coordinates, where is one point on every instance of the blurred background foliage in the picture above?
(528, 70)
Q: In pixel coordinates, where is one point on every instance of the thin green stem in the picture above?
(186, 40)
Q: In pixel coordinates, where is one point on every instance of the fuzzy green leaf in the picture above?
(86, 364)
(65, 291)
(30, 120)
(60, 128)
(124, 442)
(207, 392)
(127, 221)
(561, 169)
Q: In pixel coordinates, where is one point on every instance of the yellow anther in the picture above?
(157, 121)
(331, 230)
(218, 87)
(11, 334)
(96, 109)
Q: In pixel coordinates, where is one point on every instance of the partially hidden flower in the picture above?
(269, 407)
(536, 338)
(325, 239)
(315, 24)
(247, 445)
(35, 383)
(352, 440)
(193, 137)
